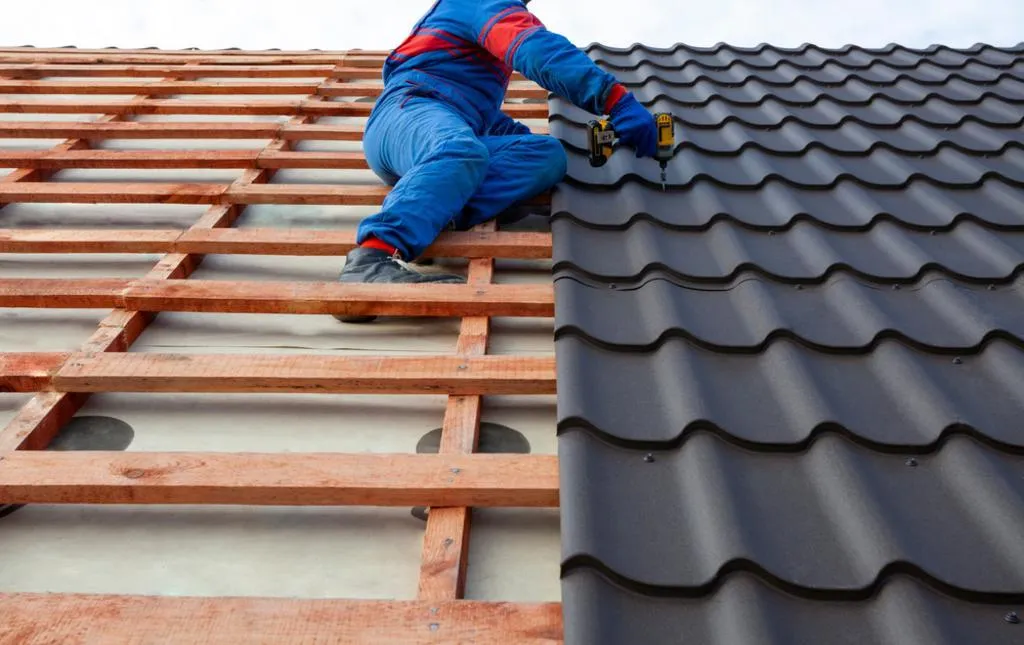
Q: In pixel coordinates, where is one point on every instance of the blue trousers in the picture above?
(444, 173)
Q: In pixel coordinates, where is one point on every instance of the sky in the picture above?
(366, 24)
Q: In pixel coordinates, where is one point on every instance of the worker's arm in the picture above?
(504, 124)
(512, 34)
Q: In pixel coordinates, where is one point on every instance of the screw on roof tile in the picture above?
(895, 287)
(649, 458)
(611, 285)
(958, 361)
(911, 462)
(1012, 618)
(991, 287)
(434, 627)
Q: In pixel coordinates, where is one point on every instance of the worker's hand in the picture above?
(635, 126)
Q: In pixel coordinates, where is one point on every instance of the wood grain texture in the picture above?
(253, 107)
(292, 479)
(261, 241)
(176, 193)
(37, 423)
(147, 372)
(446, 542)
(307, 298)
(170, 159)
(69, 619)
(28, 371)
(191, 130)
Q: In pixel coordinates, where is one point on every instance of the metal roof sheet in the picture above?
(789, 385)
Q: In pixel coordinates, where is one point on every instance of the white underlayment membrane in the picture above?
(298, 552)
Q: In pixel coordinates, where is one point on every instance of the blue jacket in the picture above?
(464, 52)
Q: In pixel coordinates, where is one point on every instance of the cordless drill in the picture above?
(603, 137)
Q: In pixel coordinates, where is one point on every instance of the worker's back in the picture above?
(461, 51)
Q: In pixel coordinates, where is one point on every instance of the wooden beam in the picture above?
(14, 240)
(236, 374)
(441, 300)
(34, 70)
(254, 107)
(170, 88)
(162, 159)
(157, 88)
(310, 298)
(279, 479)
(446, 542)
(266, 241)
(142, 57)
(38, 422)
(46, 293)
(71, 619)
(262, 241)
(170, 193)
(28, 372)
(191, 130)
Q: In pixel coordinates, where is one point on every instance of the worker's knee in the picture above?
(551, 160)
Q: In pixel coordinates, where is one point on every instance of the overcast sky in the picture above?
(370, 24)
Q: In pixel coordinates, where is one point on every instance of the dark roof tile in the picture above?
(895, 397)
(848, 205)
(828, 519)
(790, 383)
(746, 610)
(842, 313)
(807, 252)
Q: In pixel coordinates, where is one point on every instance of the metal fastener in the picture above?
(611, 285)
(649, 458)
(456, 471)
(912, 462)
(435, 626)
(1012, 618)
(958, 361)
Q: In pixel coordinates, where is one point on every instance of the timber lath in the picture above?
(449, 483)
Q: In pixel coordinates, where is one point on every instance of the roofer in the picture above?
(437, 133)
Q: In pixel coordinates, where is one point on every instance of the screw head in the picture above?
(1012, 618)
(958, 361)
(649, 458)
(911, 461)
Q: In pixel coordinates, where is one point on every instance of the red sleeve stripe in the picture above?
(428, 41)
(485, 32)
(508, 30)
(616, 93)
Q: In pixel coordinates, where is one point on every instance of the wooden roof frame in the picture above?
(449, 483)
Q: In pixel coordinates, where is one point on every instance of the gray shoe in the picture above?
(375, 266)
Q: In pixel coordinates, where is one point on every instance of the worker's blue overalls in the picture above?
(437, 132)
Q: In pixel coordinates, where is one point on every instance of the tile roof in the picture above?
(790, 385)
